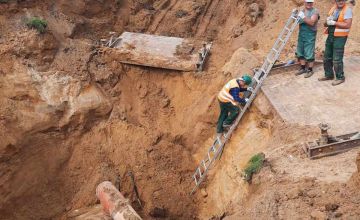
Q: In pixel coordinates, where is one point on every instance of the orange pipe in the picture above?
(114, 203)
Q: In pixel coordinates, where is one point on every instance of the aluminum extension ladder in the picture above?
(217, 147)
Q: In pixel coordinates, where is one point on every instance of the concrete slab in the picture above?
(310, 102)
(159, 51)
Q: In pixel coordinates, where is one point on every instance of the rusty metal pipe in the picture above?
(324, 139)
(114, 203)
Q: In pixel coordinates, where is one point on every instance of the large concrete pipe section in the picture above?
(114, 203)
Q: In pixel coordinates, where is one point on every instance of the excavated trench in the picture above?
(53, 172)
(72, 116)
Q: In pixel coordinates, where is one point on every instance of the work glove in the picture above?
(330, 18)
(250, 89)
(301, 15)
(330, 22)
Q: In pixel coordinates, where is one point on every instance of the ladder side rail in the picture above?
(206, 168)
(290, 22)
(204, 174)
(284, 30)
(282, 45)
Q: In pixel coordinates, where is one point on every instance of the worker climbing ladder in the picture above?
(260, 75)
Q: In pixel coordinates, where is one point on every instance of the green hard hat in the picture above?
(247, 79)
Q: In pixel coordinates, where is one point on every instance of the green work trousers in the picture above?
(333, 56)
(306, 44)
(228, 113)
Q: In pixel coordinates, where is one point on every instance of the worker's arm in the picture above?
(243, 89)
(347, 20)
(235, 94)
(344, 25)
(312, 20)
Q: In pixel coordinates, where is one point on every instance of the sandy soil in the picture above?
(71, 116)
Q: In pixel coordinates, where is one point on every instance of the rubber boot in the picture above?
(300, 71)
(325, 78)
(338, 82)
(308, 74)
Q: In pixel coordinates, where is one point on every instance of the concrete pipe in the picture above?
(114, 203)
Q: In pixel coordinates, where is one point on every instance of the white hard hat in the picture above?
(309, 0)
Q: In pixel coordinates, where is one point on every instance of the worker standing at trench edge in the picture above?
(305, 51)
(338, 24)
(230, 96)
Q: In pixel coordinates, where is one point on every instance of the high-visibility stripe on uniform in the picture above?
(342, 30)
(224, 95)
(339, 32)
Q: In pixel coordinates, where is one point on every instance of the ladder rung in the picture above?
(271, 55)
(204, 164)
(196, 180)
(269, 60)
(199, 171)
(212, 148)
(209, 158)
(217, 143)
(258, 74)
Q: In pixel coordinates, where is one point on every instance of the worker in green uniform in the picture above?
(338, 24)
(305, 51)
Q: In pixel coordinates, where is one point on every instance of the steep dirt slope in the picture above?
(277, 194)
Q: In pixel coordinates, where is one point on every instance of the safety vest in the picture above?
(339, 32)
(224, 94)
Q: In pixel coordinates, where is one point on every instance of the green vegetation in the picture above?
(4, 1)
(38, 24)
(253, 166)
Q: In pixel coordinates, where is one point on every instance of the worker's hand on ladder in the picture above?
(250, 89)
(301, 15)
